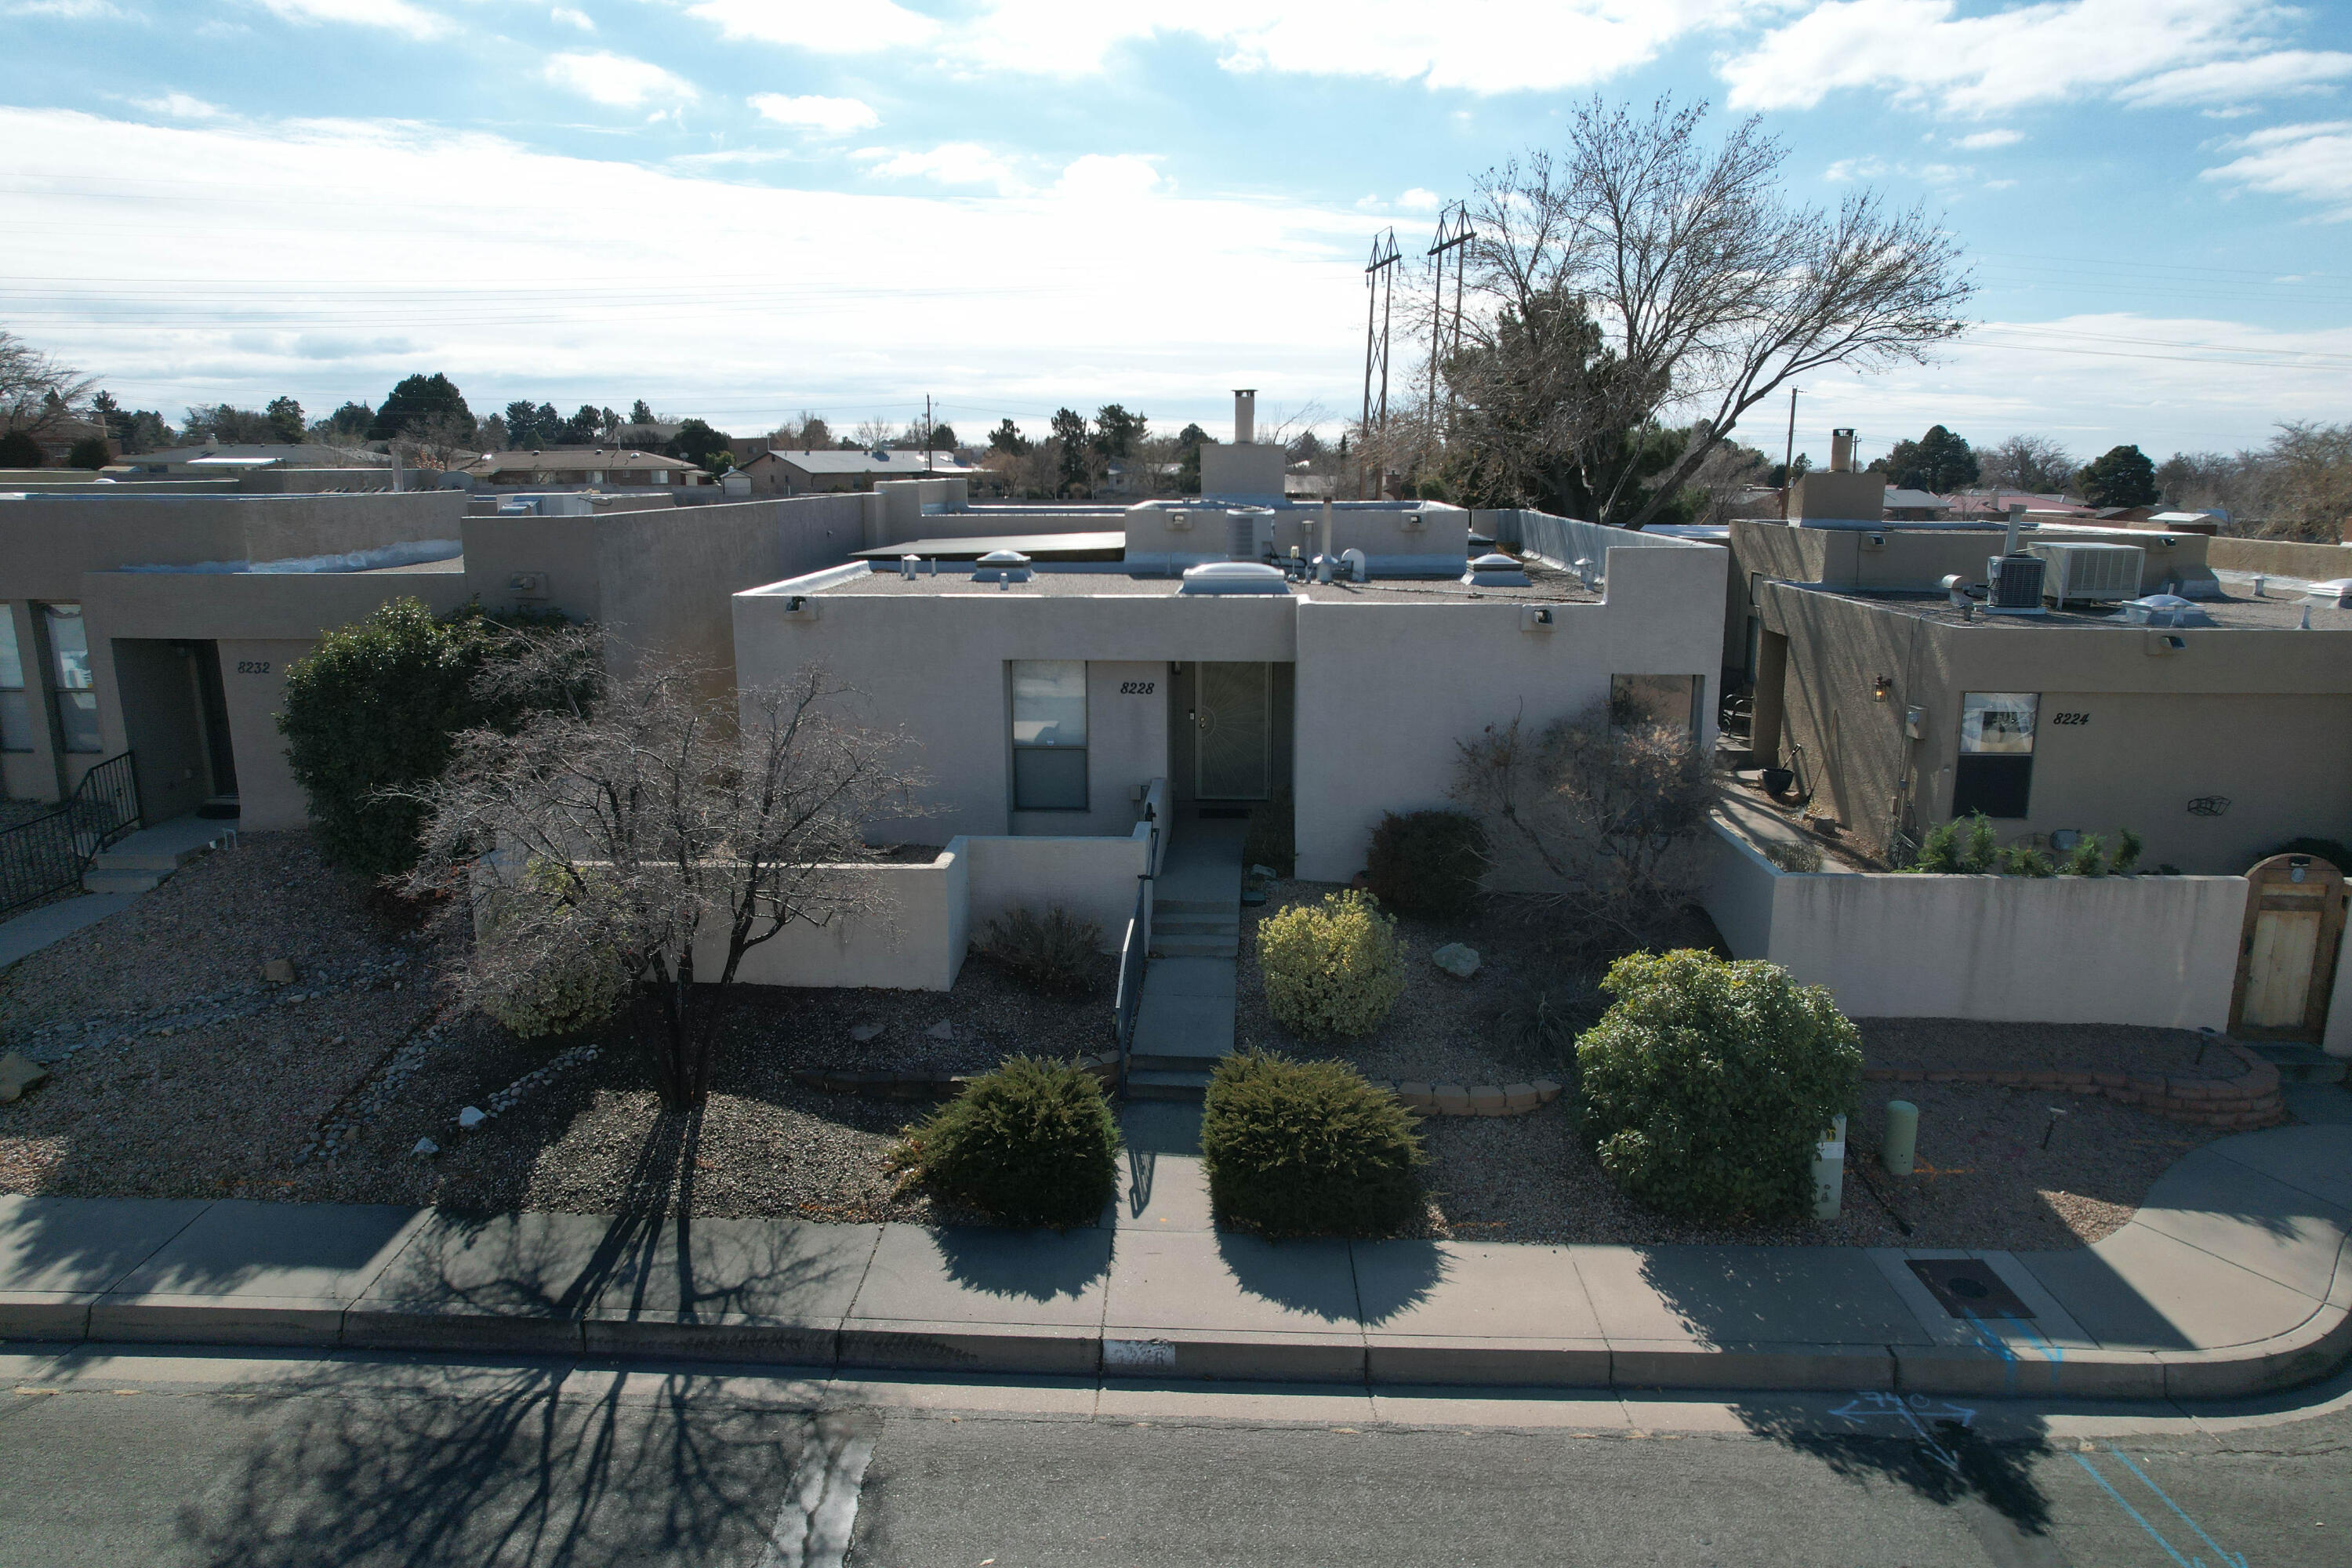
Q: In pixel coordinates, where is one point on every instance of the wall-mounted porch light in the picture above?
(1882, 688)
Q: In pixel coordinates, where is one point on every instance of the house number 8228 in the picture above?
(1135, 687)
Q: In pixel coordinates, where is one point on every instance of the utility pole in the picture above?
(927, 434)
(1379, 282)
(1453, 235)
(1789, 458)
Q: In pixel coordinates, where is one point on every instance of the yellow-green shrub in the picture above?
(1332, 968)
(553, 975)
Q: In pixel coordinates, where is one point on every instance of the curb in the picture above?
(2311, 1351)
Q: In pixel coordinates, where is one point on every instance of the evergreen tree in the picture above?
(421, 400)
(1938, 461)
(287, 425)
(641, 413)
(1070, 430)
(1007, 438)
(2125, 475)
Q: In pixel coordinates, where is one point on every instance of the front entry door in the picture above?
(1232, 741)
(2286, 958)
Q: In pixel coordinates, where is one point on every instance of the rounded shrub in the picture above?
(1707, 1083)
(1332, 968)
(1309, 1149)
(1032, 1143)
(555, 977)
(1427, 862)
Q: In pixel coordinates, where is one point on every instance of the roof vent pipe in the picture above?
(1323, 555)
(1842, 452)
(2016, 522)
(1245, 415)
(1359, 569)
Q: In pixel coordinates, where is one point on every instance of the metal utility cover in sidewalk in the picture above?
(1967, 1287)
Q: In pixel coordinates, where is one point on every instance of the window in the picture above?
(1636, 700)
(77, 701)
(1995, 775)
(1049, 734)
(16, 708)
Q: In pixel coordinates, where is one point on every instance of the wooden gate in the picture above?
(2286, 955)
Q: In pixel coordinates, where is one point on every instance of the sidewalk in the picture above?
(2234, 1279)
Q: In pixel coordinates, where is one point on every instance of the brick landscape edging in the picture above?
(2236, 1104)
(1471, 1099)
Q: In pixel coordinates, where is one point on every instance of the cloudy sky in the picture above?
(742, 208)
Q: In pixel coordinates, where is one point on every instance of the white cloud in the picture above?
(1984, 139)
(1100, 178)
(1922, 52)
(393, 16)
(572, 18)
(2311, 162)
(181, 106)
(1417, 200)
(837, 27)
(615, 80)
(948, 163)
(950, 293)
(64, 10)
(833, 116)
(2231, 82)
(1563, 43)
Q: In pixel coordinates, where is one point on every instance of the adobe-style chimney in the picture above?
(1842, 452)
(1245, 415)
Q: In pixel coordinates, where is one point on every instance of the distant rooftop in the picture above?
(1109, 546)
(2273, 613)
(1547, 586)
(901, 465)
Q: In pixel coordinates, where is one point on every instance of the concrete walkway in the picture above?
(2234, 1279)
(1185, 1022)
(36, 929)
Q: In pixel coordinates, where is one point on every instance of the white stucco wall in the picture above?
(2155, 951)
(1386, 691)
(1093, 879)
(916, 941)
(933, 666)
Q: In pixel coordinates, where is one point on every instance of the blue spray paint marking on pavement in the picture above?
(2153, 1533)
(2231, 1558)
(2049, 1350)
(2008, 1356)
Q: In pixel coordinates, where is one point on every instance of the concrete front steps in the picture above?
(143, 861)
(1195, 928)
(1183, 1027)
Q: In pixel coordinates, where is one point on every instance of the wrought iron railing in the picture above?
(1133, 955)
(49, 853)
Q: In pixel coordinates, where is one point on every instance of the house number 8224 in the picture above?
(2070, 717)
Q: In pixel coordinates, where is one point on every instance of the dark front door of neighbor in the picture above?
(211, 701)
(1232, 742)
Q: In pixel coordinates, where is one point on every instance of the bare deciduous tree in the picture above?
(37, 390)
(1642, 272)
(661, 827)
(2035, 464)
(1612, 806)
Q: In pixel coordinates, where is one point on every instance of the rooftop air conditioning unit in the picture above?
(2014, 584)
(2106, 573)
(1249, 535)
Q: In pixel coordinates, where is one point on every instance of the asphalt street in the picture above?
(176, 1458)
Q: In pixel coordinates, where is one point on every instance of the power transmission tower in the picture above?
(1379, 279)
(1454, 235)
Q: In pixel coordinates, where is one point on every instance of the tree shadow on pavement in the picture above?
(1934, 1451)
(514, 1467)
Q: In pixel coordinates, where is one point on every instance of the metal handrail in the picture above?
(50, 852)
(1134, 956)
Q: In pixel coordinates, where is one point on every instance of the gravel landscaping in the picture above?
(1983, 1179)
(178, 1072)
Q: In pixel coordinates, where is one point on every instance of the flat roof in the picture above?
(1547, 586)
(2243, 610)
(1109, 546)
